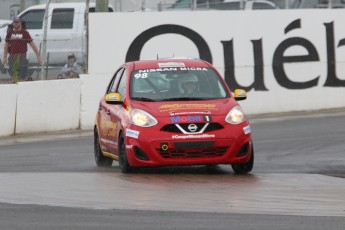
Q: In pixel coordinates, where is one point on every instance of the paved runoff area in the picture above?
(278, 194)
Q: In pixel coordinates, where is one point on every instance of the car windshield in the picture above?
(174, 84)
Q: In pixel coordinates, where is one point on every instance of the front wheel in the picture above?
(246, 167)
(101, 160)
(123, 160)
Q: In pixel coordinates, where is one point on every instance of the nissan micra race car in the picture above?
(171, 112)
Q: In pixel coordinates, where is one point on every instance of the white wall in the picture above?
(45, 106)
(269, 28)
(93, 87)
(55, 105)
(8, 103)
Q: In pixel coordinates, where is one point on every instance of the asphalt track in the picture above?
(50, 181)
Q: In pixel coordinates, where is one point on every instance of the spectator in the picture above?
(16, 46)
(71, 69)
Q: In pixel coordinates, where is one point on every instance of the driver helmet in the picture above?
(189, 78)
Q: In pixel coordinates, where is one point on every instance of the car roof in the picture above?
(169, 63)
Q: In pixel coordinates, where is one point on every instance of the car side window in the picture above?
(122, 85)
(33, 19)
(114, 81)
(262, 6)
(62, 19)
(228, 6)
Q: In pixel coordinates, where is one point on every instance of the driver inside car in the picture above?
(189, 84)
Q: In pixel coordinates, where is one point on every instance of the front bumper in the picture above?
(230, 145)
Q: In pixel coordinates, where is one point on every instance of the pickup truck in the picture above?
(66, 32)
(247, 5)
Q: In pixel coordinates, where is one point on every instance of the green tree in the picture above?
(102, 5)
(16, 70)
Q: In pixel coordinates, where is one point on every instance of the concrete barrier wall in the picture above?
(8, 103)
(45, 106)
(93, 87)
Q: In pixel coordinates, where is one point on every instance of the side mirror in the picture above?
(240, 95)
(113, 99)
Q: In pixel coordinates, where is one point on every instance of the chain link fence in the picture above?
(59, 32)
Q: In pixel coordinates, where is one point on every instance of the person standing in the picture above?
(16, 46)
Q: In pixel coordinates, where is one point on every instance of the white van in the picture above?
(65, 31)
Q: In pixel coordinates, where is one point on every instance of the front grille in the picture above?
(174, 129)
(194, 144)
(193, 153)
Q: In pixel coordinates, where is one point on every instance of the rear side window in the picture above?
(93, 9)
(33, 19)
(62, 19)
(226, 6)
(262, 6)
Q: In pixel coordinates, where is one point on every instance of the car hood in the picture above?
(212, 107)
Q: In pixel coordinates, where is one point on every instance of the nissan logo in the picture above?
(192, 127)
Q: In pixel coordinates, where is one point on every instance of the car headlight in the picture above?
(235, 116)
(142, 118)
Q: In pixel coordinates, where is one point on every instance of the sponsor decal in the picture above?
(247, 129)
(190, 119)
(129, 146)
(191, 136)
(171, 64)
(172, 113)
(105, 123)
(108, 141)
(143, 72)
(132, 133)
(279, 59)
(108, 127)
(194, 68)
(170, 107)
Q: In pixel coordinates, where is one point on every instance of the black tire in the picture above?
(123, 160)
(246, 167)
(101, 160)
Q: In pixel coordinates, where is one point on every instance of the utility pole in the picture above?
(86, 26)
(44, 42)
(102, 5)
(193, 4)
(22, 5)
(242, 4)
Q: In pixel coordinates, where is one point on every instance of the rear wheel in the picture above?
(246, 167)
(101, 160)
(123, 160)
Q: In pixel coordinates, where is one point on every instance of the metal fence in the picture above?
(60, 31)
(253, 4)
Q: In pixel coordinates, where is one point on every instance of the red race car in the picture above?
(171, 112)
